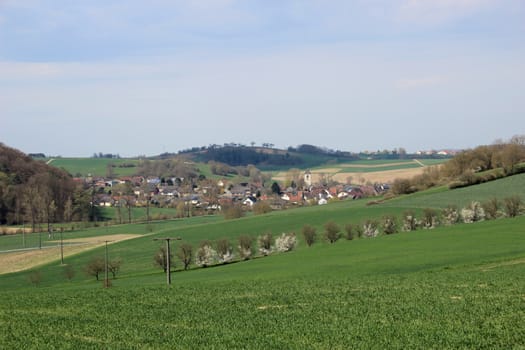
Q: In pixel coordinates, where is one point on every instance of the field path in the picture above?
(49, 161)
(25, 259)
(418, 162)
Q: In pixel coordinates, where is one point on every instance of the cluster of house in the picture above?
(213, 195)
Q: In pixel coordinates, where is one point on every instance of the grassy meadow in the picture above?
(453, 287)
(94, 166)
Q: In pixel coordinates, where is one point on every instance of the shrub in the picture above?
(205, 255)
(224, 251)
(512, 206)
(402, 186)
(370, 228)
(261, 208)
(491, 208)
(285, 242)
(185, 254)
(409, 221)
(160, 259)
(450, 215)
(265, 243)
(332, 231)
(472, 213)
(233, 212)
(349, 231)
(245, 247)
(430, 219)
(309, 234)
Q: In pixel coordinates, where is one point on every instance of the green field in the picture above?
(452, 287)
(94, 166)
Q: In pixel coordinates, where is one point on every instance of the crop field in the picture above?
(94, 166)
(453, 287)
(373, 171)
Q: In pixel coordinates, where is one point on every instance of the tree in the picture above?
(389, 224)
(160, 259)
(512, 206)
(224, 250)
(68, 210)
(430, 218)
(185, 254)
(245, 247)
(332, 231)
(205, 255)
(309, 234)
(265, 243)
(286, 242)
(114, 266)
(491, 208)
(95, 267)
(276, 189)
(409, 221)
(349, 230)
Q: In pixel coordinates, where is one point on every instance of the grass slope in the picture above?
(458, 287)
(452, 287)
(93, 166)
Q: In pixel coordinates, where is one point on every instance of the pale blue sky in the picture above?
(144, 77)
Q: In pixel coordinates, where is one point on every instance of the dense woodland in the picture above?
(35, 193)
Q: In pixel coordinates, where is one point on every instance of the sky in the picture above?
(134, 77)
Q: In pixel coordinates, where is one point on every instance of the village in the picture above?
(210, 196)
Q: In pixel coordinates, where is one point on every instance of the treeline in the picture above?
(106, 155)
(175, 167)
(321, 151)
(33, 192)
(470, 167)
(243, 155)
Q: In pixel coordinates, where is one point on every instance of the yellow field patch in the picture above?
(23, 260)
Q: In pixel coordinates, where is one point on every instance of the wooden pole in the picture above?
(106, 280)
(168, 263)
(168, 266)
(61, 247)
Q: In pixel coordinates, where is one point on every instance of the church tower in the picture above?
(308, 178)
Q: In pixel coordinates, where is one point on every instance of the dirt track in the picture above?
(23, 260)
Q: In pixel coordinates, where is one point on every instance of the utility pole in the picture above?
(61, 246)
(168, 267)
(106, 277)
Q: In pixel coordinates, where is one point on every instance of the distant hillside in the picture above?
(268, 158)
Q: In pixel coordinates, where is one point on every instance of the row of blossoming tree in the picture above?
(222, 251)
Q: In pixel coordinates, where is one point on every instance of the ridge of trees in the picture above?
(470, 167)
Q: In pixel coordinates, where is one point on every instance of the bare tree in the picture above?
(309, 234)
(161, 260)
(95, 267)
(185, 254)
